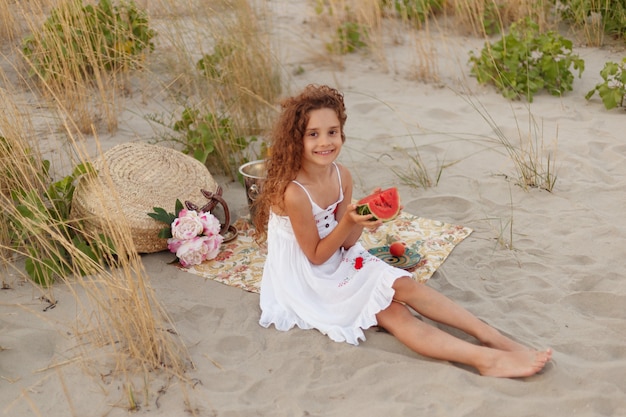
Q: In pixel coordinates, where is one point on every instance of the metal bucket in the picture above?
(253, 173)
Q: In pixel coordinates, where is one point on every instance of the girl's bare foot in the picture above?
(515, 364)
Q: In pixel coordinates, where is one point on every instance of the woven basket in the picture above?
(143, 176)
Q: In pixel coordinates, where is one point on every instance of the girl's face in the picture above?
(322, 137)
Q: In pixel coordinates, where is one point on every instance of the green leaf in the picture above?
(161, 215)
(41, 276)
(82, 169)
(590, 93)
(82, 246)
(165, 233)
(202, 154)
(178, 206)
(43, 271)
(25, 212)
(104, 245)
(611, 98)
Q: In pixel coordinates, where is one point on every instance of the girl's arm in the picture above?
(347, 208)
(318, 251)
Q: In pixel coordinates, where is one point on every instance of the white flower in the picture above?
(187, 225)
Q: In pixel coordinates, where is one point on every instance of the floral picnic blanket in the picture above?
(240, 262)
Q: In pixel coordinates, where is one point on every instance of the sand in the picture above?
(545, 268)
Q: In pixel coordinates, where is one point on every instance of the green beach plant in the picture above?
(350, 37)
(210, 138)
(212, 66)
(228, 95)
(205, 134)
(108, 36)
(41, 222)
(525, 61)
(612, 90)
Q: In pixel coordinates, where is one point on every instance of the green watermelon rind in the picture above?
(364, 209)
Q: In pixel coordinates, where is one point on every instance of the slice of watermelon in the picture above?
(384, 205)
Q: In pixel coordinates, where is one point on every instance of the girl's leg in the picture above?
(437, 307)
(434, 343)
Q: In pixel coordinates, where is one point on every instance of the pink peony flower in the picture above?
(195, 251)
(212, 245)
(174, 244)
(191, 252)
(187, 225)
(210, 224)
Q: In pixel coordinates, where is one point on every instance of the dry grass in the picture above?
(483, 18)
(9, 25)
(120, 311)
(219, 61)
(589, 20)
(534, 162)
(76, 77)
(365, 18)
(377, 24)
(425, 65)
(19, 164)
(250, 81)
(122, 321)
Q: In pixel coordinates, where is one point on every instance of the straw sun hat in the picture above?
(143, 176)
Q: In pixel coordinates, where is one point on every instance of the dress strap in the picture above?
(309, 195)
(305, 190)
(340, 185)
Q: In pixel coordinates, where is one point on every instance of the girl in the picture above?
(317, 274)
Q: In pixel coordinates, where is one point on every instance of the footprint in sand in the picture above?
(456, 207)
(598, 304)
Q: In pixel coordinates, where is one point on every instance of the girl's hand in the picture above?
(366, 221)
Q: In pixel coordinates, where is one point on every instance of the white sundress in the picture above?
(340, 297)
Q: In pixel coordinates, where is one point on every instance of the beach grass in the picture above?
(119, 312)
(484, 18)
(534, 161)
(219, 65)
(79, 54)
(121, 325)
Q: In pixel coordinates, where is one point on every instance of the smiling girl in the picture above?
(318, 276)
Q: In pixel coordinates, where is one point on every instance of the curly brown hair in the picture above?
(286, 147)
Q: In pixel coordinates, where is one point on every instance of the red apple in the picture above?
(397, 248)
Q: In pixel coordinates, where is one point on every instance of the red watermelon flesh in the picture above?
(384, 205)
